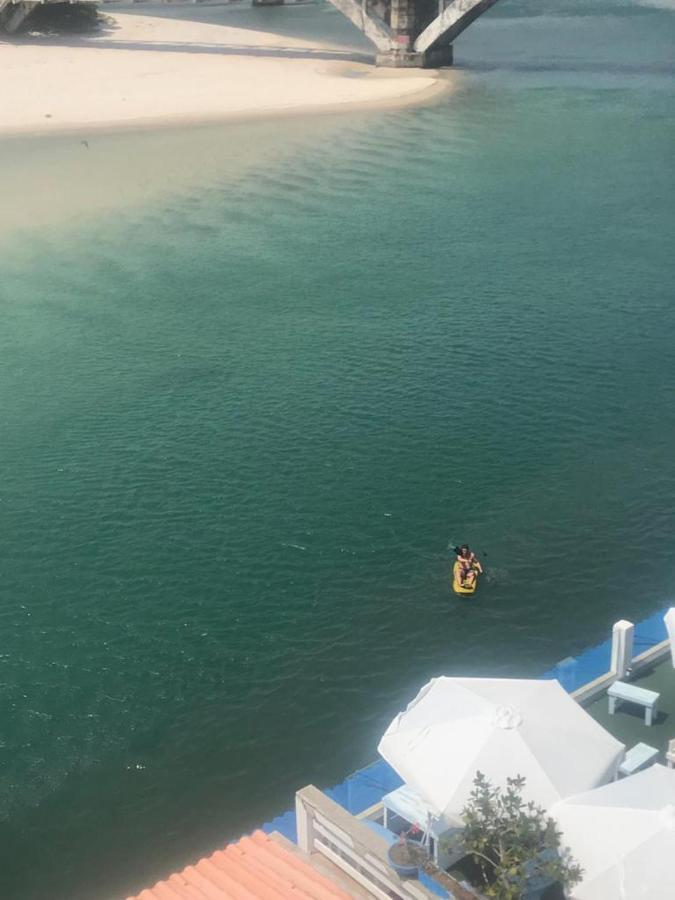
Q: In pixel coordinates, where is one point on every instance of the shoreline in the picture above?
(427, 96)
(161, 72)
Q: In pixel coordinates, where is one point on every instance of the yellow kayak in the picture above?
(457, 585)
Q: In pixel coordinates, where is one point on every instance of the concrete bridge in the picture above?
(409, 33)
(406, 33)
(12, 15)
(413, 33)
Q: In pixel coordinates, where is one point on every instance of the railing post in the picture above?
(669, 619)
(622, 647)
(305, 824)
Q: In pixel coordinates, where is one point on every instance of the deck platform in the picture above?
(629, 726)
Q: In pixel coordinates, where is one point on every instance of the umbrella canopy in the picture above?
(623, 836)
(502, 727)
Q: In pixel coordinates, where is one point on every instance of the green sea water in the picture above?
(243, 420)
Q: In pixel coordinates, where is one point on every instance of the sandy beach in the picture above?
(148, 69)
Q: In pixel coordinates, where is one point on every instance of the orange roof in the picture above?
(255, 868)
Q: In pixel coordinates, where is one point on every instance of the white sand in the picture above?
(151, 70)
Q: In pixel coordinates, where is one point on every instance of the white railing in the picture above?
(621, 660)
(325, 827)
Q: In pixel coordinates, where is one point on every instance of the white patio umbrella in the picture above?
(623, 836)
(502, 727)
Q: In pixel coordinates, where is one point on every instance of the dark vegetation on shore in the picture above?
(63, 18)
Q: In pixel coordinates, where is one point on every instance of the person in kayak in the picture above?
(470, 565)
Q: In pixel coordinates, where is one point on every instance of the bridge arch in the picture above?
(451, 23)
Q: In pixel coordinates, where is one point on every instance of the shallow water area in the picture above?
(64, 180)
(248, 405)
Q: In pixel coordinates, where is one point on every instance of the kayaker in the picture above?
(470, 564)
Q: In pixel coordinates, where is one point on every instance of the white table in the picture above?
(638, 757)
(632, 694)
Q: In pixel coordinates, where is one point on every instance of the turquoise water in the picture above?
(242, 424)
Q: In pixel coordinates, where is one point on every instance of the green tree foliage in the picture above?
(512, 841)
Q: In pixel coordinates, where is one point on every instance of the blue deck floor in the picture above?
(360, 790)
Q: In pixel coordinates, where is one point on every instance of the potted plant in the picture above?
(409, 852)
(516, 847)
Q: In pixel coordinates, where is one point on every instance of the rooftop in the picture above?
(262, 866)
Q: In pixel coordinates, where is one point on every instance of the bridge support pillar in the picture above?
(412, 33)
(401, 53)
(14, 14)
(408, 58)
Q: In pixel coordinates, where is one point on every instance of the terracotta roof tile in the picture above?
(255, 868)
